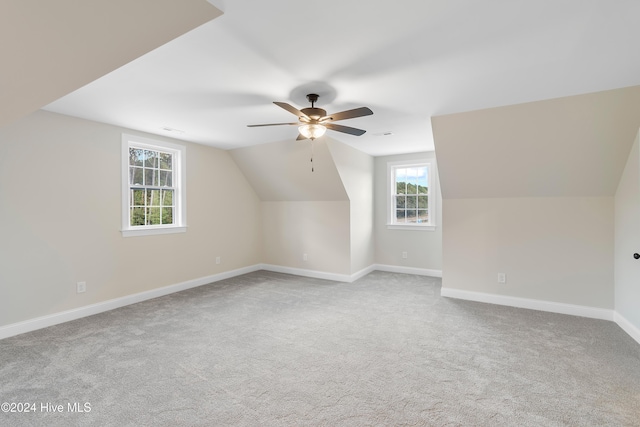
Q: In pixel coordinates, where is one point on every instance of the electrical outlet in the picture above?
(218, 260)
(404, 255)
(81, 287)
(305, 257)
(502, 278)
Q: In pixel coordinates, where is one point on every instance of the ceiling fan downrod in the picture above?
(313, 98)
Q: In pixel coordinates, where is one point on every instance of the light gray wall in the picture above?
(318, 229)
(529, 191)
(326, 213)
(627, 240)
(424, 248)
(60, 219)
(557, 249)
(303, 211)
(356, 171)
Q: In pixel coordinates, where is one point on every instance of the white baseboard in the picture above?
(408, 270)
(89, 310)
(360, 274)
(553, 307)
(307, 273)
(348, 278)
(627, 326)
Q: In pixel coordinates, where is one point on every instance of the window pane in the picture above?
(412, 188)
(150, 159)
(401, 181)
(423, 183)
(153, 216)
(154, 197)
(167, 197)
(411, 202)
(150, 177)
(401, 202)
(423, 215)
(166, 179)
(135, 176)
(136, 156)
(137, 198)
(400, 215)
(166, 161)
(147, 197)
(167, 215)
(412, 180)
(137, 216)
(412, 216)
(423, 202)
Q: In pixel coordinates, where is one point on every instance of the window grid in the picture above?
(411, 196)
(152, 194)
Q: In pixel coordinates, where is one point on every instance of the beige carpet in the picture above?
(278, 350)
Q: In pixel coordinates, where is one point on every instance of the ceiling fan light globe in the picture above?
(312, 131)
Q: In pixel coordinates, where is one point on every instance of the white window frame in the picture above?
(391, 188)
(179, 180)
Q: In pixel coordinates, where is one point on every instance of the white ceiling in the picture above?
(407, 60)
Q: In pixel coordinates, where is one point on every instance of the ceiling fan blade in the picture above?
(349, 114)
(291, 109)
(301, 137)
(344, 129)
(272, 124)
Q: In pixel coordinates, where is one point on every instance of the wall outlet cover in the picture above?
(81, 287)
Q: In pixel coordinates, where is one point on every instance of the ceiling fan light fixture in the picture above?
(312, 131)
(313, 122)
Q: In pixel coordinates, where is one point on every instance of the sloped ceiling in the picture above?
(407, 60)
(281, 171)
(572, 146)
(51, 48)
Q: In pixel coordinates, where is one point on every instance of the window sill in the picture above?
(152, 231)
(411, 227)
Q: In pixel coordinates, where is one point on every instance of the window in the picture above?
(411, 202)
(153, 187)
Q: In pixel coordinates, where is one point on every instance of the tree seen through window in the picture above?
(151, 187)
(411, 198)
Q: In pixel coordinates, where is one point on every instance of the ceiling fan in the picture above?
(313, 122)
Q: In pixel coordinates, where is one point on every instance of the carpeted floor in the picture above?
(268, 349)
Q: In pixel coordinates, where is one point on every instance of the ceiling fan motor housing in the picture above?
(314, 113)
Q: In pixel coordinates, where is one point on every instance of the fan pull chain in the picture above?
(312, 155)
